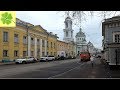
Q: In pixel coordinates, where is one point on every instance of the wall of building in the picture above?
(34, 49)
(52, 50)
(10, 45)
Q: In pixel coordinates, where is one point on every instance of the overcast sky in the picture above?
(53, 21)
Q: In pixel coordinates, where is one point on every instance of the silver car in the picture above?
(25, 60)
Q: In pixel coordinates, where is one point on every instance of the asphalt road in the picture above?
(37, 70)
(64, 69)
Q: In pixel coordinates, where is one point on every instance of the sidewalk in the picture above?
(98, 70)
(6, 63)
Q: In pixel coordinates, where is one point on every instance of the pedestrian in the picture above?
(92, 59)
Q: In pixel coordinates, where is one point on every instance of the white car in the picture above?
(25, 60)
(47, 58)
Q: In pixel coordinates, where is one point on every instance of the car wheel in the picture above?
(46, 60)
(34, 61)
(24, 62)
(17, 63)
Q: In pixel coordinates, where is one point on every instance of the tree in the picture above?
(80, 16)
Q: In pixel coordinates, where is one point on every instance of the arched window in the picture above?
(66, 24)
(66, 33)
(71, 33)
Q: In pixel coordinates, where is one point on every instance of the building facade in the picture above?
(68, 31)
(111, 40)
(26, 40)
(81, 43)
(67, 48)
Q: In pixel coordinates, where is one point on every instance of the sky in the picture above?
(53, 21)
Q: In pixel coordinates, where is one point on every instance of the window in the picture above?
(72, 52)
(51, 44)
(15, 53)
(32, 41)
(47, 53)
(47, 44)
(38, 42)
(24, 39)
(117, 38)
(24, 53)
(54, 45)
(54, 53)
(66, 33)
(16, 38)
(5, 53)
(5, 36)
(32, 53)
(51, 53)
(71, 33)
(38, 52)
(43, 43)
(66, 24)
(43, 54)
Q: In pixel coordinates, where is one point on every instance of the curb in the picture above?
(7, 63)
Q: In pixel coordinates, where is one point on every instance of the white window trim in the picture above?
(114, 33)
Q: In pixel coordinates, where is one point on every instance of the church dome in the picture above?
(80, 34)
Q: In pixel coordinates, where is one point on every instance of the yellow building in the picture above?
(26, 40)
(52, 44)
(71, 49)
(11, 42)
(68, 48)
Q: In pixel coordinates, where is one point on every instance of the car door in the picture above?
(50, 58)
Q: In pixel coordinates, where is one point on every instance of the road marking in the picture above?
(65, 71)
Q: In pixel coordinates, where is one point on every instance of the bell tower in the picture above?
(68, 32)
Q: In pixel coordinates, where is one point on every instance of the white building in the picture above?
(68, 31)
(81, 44)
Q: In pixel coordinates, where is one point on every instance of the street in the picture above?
(71, 68)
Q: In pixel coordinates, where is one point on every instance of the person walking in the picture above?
(92, 59)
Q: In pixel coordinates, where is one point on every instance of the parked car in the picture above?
(47, 58)
(25, 60)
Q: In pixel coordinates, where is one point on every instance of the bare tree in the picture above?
(80, 16)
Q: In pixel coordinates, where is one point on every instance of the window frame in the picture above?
(5, 36)
(5, 54)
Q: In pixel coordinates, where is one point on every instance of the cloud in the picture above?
(53, 21)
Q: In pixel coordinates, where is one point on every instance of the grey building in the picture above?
(111, 40)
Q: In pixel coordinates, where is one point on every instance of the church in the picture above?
(80, 43)
(68, 31)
